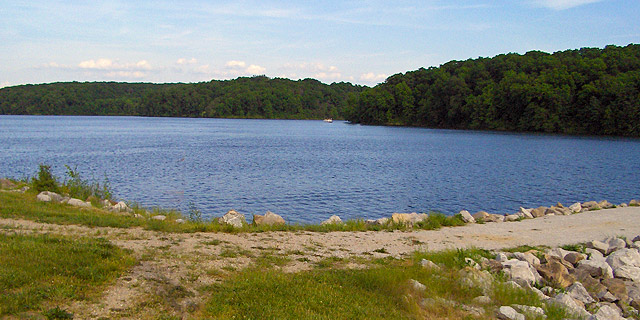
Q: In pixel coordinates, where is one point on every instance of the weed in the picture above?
(57, 313)
(381, 250)
(574, 247)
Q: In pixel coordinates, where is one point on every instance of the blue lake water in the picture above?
(309, 170)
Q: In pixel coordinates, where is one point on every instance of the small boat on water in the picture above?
(328, 120)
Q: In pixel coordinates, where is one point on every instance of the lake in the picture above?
(307, 171)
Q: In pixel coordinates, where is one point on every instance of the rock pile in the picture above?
(603, 279)
(600, 280)
(48, 196)
(531, 213)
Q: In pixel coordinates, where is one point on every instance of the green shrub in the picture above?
(83, 189)
(45, 181)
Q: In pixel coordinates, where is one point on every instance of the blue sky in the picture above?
(357, 41)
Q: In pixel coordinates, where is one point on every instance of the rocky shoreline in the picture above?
(238, 220)
(597, 281)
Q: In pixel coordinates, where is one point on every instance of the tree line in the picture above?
(585, 91)
(245, 97)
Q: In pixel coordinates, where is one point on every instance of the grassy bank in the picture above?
(25, 206)
(41, 272)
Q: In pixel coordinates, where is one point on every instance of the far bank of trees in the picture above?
(255, 97)
(585, 91)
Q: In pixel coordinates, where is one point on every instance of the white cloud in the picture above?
(183, 61)
(239, 68)
(108, 64)
(372, 77)
(562, 4)
(255, 69)
(126, 74)
(235, 64)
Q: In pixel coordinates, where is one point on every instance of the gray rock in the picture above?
(332, 220)
(565, 301)
(540, 294)
(596, 268)
(106, 204)
(529, 310)
(472, 310)
(121, 206)
(538, 212)
(408, 218)
(623, 205)
(633, 290)
(598, 245)
(43, 197)
(417, 286)
(604, 204)
(382, 221)
(575, 257)
(606, 313)
(480, 215)
(558, 252)
(428, 264)
(527, 256)
(466, 216)
(233, 218)
(481, 300)
(509, 313)
(269, 219)
(180, 221)
(577, 291)
(625, 264)
(501, 257)
(520, 272)
(594, 254)
(634, 203)
(472, 263)
(576, 207)
(78, 203)
(617, 288)
(606, 296)
(52, 196)
(590, 205)
(159, 217)
(615, 244)
(526, 213)
(511, 217)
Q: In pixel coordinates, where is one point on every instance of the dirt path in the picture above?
(174, 266)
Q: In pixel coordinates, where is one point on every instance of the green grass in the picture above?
(339, 294)
(452, 258)
(37, 271)
(24, 206)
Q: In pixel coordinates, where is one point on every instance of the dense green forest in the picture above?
(255, 97)
(585, 91)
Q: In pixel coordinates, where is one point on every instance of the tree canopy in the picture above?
(585, 91)
(254, 97)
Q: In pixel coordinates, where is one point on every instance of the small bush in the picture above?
(83, 189)
(45, 181)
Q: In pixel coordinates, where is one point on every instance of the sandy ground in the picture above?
(186, 262)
